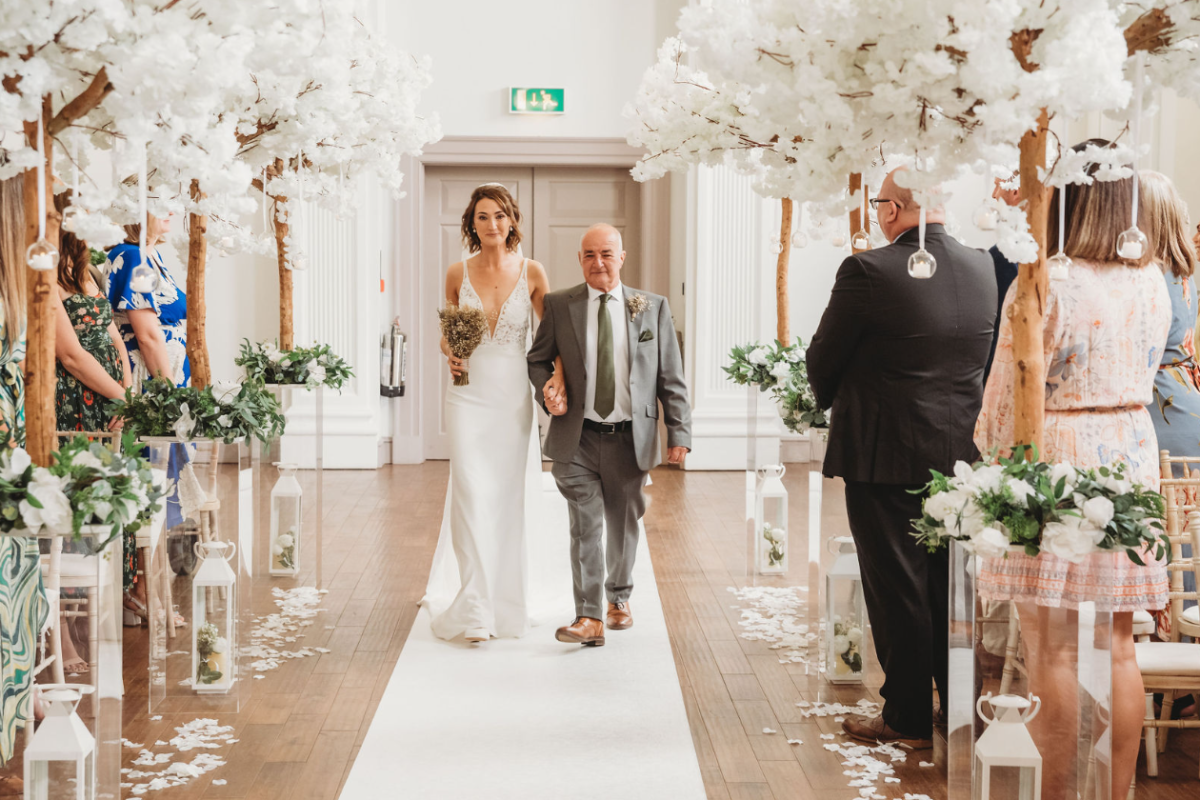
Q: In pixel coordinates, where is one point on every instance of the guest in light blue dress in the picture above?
(153, 325)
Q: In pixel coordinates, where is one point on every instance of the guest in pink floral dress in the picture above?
(1105, 331)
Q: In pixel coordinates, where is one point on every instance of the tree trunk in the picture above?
(40, 420)
(286, 332)
(782, 330)
(1028, 307)
(197, 312)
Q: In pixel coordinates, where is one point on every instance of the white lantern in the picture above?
(286, 508)
(845, 616)
(214, 619)
(1007, 747)
(771, 522)
(62, 737)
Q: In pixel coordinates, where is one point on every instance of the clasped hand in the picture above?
(555, 393)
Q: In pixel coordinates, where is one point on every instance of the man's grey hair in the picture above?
(600, 226)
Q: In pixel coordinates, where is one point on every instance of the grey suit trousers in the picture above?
(602, 484)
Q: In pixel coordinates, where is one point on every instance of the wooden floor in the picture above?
(300, 732)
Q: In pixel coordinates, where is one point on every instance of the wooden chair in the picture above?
(1173, 666)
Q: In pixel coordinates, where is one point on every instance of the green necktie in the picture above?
(606, 374)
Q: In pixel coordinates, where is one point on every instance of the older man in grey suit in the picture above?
(620, 359)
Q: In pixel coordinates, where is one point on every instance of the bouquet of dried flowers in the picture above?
(463, 329)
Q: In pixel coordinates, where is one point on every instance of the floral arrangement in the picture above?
(284, 550)
(777, 540)
(311, 366)
(463, 329)
(224, 411)
(847, 647)
(782, 372)
(637, 304)
(1057, 508)
(210, 646)
(88, 484)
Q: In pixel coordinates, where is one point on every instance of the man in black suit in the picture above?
(900, 361)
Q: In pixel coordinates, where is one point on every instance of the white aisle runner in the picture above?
(534, 718)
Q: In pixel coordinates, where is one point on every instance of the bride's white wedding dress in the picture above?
(499, 568)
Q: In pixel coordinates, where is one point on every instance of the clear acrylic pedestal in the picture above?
(1016, 653)
(305, 450)
(172, 565)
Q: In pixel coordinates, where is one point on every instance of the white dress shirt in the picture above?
(623, 407)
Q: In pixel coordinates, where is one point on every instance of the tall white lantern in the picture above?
(845, 616)
(214, 619)
(1005, 753)
(63, 738)
(286, 516)
(771, 522)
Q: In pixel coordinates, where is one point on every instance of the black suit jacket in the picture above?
(900, 360)
(1006, 273)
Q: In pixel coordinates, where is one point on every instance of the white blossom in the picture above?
(55, 511)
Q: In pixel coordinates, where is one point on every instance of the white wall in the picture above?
(595, 50)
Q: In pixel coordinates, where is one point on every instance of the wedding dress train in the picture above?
(501, 565)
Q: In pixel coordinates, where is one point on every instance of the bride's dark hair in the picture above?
(497, 193)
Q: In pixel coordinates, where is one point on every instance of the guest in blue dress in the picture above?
(153, 324)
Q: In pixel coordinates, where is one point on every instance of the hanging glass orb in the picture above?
(838, 240)
(42, 256)
(226, 243)
(1131, 244)
(776, 246)
(986, 218)
(70, 219)
(1059, 265)
(300, 263)
(143, 279)
(922, 264)
(799, 239)
(860, 241)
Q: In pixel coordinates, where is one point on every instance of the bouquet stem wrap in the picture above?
(463, 329)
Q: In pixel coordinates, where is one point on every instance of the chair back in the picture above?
(1182, 495)
(110, 439)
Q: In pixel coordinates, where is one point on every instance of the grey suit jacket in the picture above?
(655, 373)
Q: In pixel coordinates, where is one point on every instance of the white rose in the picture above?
(276, 550)
(1114, 484)
(841, 645)
(1063, 469)
(225, 392)
(86, 459)
(220, 645)
(1021, 491)
(185, 426)
(284, 540)
(941, 505)
(964, 473)
(781, 370)
(991, 542)
(1098, 510)
(55, 512)
(854, 635)
(757, 356)
(102, 509)
(316, 373)
(15, 465)
(272, 353)
(224, 421)
(989, 478)
(1071, 540)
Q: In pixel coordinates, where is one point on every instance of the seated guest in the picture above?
(900, 361)
(1006, 271)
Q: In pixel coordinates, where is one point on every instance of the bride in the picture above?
(480, 583)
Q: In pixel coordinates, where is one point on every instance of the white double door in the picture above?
(557, 205)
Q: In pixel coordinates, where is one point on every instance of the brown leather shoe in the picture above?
(586, 631)
(619, 616)
(875, 730)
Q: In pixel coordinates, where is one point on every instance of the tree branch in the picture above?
(81, 105)
(1148, 32)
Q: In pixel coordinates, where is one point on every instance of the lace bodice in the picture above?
(512, 326)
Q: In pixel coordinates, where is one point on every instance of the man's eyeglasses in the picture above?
(875, 201)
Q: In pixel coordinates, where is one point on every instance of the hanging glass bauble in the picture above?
(799, 239)
(1131, 244)
(70, 218)
(42, 256)
(986, 218)
(839, 240)
(776, 246)
(1059, 266)
(922, 264)
(226, 242)
(300, 264)
(860, 241)
(143, 279)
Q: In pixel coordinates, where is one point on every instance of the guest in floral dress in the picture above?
(23, 606)
(1105, 331)
(92, 369)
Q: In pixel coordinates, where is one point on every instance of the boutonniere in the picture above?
(636, 305)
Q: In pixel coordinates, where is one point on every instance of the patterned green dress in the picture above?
(23, 606)
(78, 407)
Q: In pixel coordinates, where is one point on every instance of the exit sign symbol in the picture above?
(536, 101)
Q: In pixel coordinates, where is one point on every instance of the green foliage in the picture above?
(760, 365)
(313, 366)
(243, 411)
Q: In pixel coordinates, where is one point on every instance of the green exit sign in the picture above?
(536, 101)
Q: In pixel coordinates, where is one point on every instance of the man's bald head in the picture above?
(897, 209)
(601, 254)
